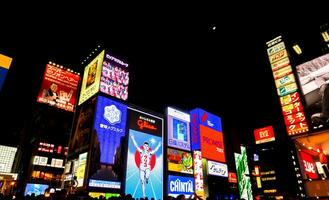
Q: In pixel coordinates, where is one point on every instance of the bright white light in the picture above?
(152, 140)
(214, 28)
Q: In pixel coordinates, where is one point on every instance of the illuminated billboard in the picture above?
(7, 157)
(309, 166)
(180, 185)
(178, 129)
(263, 135)
(212, 144)
(58, 88)
(115, 77)
(313, 77)
(203, 118)
(198, 174)
(37, 189)
(91, 78)
(242, 170)
(287, 88)
(144, 173)
(5, 63)
(179, 161)
(217, 169)
(83, 126)
(81, 169)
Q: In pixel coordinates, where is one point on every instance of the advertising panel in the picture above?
(232, 177)
(3, 74)
(104, 184)
(7, 157)
(91, 78)
(198, 174)
(115, 77)
(83, 126)
(144, 171)
(217, 169)
(81, 169)
(180, 185)
(37, 189)
(212, 144)
(309, 166)
(201, 117)
(287, 88)
(5, 61)
(110, 129)
(58, 88)
(179, 161)
(314, 78)
(263, 135)
(178, 129)
(242, 170)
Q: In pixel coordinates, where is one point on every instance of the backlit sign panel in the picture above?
(309, 165)
(37, 189)
(58, 88)
(81, 169)
(198, 173)
(286, 87)
(179, 161)
(91, 78)
(115, 77)
(3, 74)
(217, 169)
(104, 184)
(180, 185)
(178, 129)
(242, 170)
(232, 177)
(7, 157)
(5, 61)
(144, 171)
(110, 126)
(263, 135)
(212, 144)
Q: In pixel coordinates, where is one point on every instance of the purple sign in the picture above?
(202, 117)
(110, 126)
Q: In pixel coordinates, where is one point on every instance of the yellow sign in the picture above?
(278, 56)
(282, 72)
(280, 64)
(259, 182)
(285, 80)
(91, 78)
(5, 61)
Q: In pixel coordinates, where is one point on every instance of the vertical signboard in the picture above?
(91, 78)
(5, 63)
(207, 135)
(286, 87)
(242, 171)
(115, 77)
(110, 128)
(198, 174)
(58, 88)
(178, 129)
(81, 169)
(144, 172)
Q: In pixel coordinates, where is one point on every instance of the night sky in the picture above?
(176, 56)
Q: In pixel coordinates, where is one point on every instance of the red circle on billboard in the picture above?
(138, 158)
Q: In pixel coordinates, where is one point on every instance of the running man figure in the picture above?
(144, 166)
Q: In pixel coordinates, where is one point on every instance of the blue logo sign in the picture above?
(3, 74)
(180, 185)
(202, 117)
(110, 126)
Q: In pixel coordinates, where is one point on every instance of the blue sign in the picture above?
(3, 74)
(104, 184)
(202, 117)
(110, 126)
(37, 189)
(180, 185)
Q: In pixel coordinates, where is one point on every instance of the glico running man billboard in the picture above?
(110, 128)
(207, 135)
(144, 173)
(178, 129)
(115, 77)
(58, 88)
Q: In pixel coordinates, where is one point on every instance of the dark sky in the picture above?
(175, 56)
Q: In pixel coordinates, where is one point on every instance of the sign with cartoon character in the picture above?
(179, 161)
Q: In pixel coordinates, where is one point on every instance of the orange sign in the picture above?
(212, 144)
(263, 135)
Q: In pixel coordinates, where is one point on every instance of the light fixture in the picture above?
(325, 36)
(297, 49)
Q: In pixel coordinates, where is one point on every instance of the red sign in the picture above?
(290, 98)
(294, 129)
(308, 165)
(263, 135)
(292, 108)
(212, 144)
(294, 118)
(58, 88)
(232, 177)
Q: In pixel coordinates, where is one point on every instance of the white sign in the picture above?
(319, 167)
(178, 114)
(217, 169)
